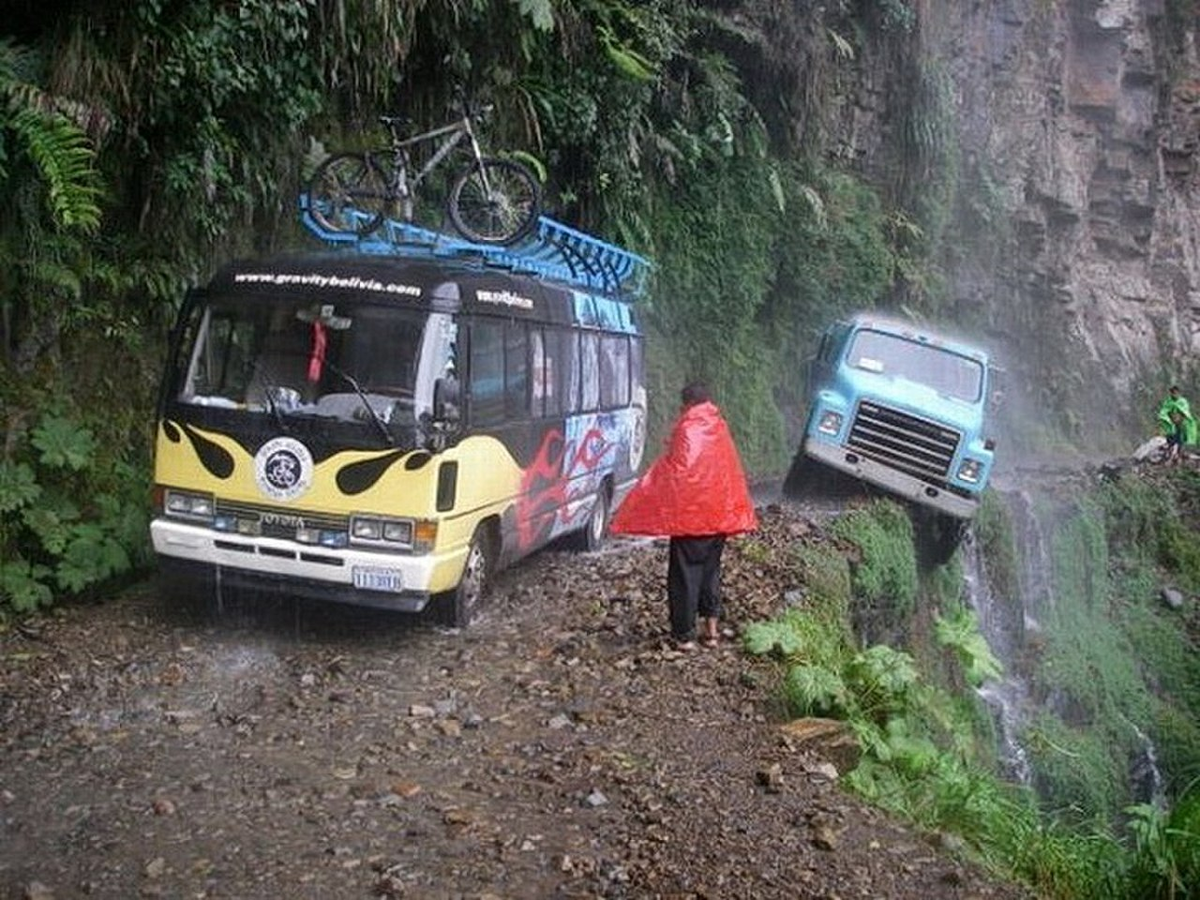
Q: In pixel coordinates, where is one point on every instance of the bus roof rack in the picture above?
(553, 250)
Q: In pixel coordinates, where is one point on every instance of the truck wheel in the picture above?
(938, 535)
(456, 608)
(801, 478)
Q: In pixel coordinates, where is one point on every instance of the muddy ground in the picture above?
(556, 748)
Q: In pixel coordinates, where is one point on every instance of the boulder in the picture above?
(828, 738)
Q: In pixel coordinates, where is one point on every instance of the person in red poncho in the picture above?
(696, 494)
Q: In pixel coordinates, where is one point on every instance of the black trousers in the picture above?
(693, 582)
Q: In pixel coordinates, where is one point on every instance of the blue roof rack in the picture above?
(553, 250)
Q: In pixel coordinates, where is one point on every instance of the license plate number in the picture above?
(372, 578)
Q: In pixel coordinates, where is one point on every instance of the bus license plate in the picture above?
(371, 578)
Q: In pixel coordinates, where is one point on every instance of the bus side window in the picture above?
(569, 342)
(487, 372)
(614, 371)
(543, 350)
(590, 370)
(516, 372)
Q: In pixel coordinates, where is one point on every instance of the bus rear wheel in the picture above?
(456, 608)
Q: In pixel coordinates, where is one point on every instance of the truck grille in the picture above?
(919, 447)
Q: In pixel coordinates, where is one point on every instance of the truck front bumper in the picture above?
(891, 480)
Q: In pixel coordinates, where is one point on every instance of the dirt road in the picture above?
(557, 748)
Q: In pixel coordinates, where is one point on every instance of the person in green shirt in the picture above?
(1177, 424)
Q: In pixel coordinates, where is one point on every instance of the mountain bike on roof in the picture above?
(490, 201)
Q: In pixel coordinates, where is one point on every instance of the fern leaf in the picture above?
(63, 157)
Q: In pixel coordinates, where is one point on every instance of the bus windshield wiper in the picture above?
(371, 411)
(270, 387)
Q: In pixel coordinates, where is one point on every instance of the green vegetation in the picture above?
(1116, 669)
(884, 574)
(925, 753)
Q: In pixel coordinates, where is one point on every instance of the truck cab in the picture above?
(900, 407)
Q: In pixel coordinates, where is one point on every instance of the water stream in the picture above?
(1006, 698)
(1009, 624)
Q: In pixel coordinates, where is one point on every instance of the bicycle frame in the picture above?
(402, 180)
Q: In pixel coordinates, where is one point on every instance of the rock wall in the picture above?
(1075, 244)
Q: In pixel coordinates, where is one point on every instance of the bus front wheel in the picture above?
(456, 608)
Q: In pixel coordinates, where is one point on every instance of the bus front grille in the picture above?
(274, 522)
(922, 448)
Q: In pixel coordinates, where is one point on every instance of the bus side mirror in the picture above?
(446, 400)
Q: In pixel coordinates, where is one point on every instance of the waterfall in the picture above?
(1144, 774)
(1010, 624)
(1037, 599)
(1006, 698)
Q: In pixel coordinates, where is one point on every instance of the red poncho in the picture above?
(696, 488)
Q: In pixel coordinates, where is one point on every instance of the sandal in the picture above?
(710, 640)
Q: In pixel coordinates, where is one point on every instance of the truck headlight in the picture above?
(830, 423)
(969, 470)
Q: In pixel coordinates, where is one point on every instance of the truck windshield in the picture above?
(948, 373)
(285, 357)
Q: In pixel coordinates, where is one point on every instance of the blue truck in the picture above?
(903, 408)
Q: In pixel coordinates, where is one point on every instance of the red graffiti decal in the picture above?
(542, 489)
(545, 484)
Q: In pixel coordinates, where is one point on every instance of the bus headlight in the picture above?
(380, 532)
(188, 505)
(830, 423)
(969, 470)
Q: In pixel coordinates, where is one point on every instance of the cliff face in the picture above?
(1075, 237)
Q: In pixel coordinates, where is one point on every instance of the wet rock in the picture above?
(828, 738)
(770, 778)
(595, 799)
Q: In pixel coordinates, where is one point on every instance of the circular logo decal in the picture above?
(283, 468)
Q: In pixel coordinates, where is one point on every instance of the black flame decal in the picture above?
(213, 457)
(358, 477)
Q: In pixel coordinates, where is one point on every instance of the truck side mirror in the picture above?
(447, 400)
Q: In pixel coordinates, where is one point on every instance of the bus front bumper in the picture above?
(345, 575)
(891, 480)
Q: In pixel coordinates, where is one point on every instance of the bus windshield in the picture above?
(291, 357)
(948, 373)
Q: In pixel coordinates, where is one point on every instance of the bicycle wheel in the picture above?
(497, 201)
(349, 193)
